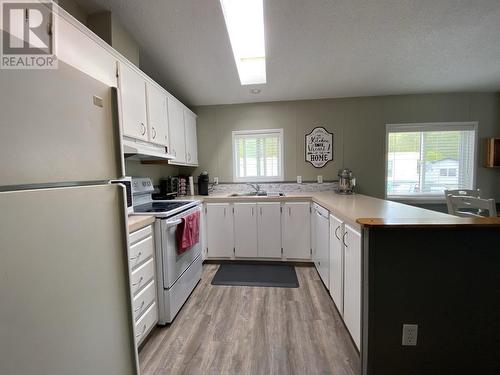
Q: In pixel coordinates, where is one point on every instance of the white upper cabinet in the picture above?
(269, 228)
(296, 230)
(157, 115)
(133, 103)
(191, 139)
(352, 282)
(245, 230)
(78, 49)
(337, 262)
(176, 131)
(220, 239)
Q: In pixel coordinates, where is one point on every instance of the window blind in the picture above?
(257, 156)
(423, 160)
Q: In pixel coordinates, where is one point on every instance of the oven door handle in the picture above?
(173, 223)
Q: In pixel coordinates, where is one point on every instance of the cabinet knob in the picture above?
(343, 239)
(142, 128)
(154, 132)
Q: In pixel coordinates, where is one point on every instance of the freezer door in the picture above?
(65, 303)
(57, 126)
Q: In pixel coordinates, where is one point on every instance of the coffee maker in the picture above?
(346, 182)
(203, 183)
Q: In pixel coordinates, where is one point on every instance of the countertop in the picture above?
(136, 222)
(359, 209)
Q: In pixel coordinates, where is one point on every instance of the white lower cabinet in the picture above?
(296, 230)
(245, 230)
(337, 262)
(142, 281)
(269, 230)
(352, 282)
(321, 235)
(220, 235)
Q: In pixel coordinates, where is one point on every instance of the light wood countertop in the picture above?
(359, 209)
(136, 222)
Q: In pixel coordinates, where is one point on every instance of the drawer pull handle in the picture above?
(140, 307)
(137, 256)
(138, 282)
(343, 239)
(143, 330)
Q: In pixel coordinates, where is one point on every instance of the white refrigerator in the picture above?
(65, 303)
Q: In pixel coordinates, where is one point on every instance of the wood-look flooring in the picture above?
(253, 330)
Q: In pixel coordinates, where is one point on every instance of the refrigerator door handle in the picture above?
(117, 121)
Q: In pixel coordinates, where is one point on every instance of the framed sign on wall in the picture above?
(319, 147)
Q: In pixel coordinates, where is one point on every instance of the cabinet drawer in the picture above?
(141, 251)
(140, 234)
(142, 276)
(145, 323)
(144, 299)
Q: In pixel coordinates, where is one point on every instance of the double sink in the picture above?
(257, 194)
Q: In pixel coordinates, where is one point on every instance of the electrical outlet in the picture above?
(320, 179)
(299, 179)
(410, 332)
(216, 180)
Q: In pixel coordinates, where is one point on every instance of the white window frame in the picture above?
(279, 133)
(422, 127)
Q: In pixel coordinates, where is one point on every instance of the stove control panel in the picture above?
(142, 185)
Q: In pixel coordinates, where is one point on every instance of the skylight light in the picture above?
(245, 26)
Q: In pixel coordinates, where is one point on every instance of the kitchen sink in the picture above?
(257, 194)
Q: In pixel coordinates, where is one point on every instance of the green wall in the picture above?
(358, 125)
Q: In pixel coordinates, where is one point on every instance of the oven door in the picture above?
(175, 264)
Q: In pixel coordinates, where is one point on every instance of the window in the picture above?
(423, 160)
(258, 155)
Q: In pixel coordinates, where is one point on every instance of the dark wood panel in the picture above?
(446, 280)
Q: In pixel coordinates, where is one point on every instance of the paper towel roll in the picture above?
(191, 185)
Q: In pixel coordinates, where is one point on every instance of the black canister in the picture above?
(203, 183)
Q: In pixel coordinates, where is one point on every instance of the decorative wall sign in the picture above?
(319, 147)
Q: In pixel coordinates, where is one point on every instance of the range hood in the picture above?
(136, 150)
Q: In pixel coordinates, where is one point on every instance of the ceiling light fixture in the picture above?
(245, 26)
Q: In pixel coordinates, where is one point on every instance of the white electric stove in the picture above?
(177, 274)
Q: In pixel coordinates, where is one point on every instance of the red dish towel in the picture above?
(188, 232)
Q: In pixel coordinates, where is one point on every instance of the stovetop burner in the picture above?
(159, 206)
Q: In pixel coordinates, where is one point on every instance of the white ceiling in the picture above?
(319, 48)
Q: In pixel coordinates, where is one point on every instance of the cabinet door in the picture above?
(77, 49)
(322, 234)
(176, 130)
(133, 103)
(296, 230)
(191, 139)
(352, 283)
(337, 262)
(269, 229)
(220, 240)
(245, 230)
(157, 115)
(314, 224)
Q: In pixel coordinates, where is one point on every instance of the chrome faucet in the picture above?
(256, 187)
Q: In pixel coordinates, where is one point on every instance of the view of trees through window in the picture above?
(428, 162)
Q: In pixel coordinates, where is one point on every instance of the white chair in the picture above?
(467, 206)
(464, 193)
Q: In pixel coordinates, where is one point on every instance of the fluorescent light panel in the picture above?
(245, 26)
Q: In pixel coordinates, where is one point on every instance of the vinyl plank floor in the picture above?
(253, 330)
